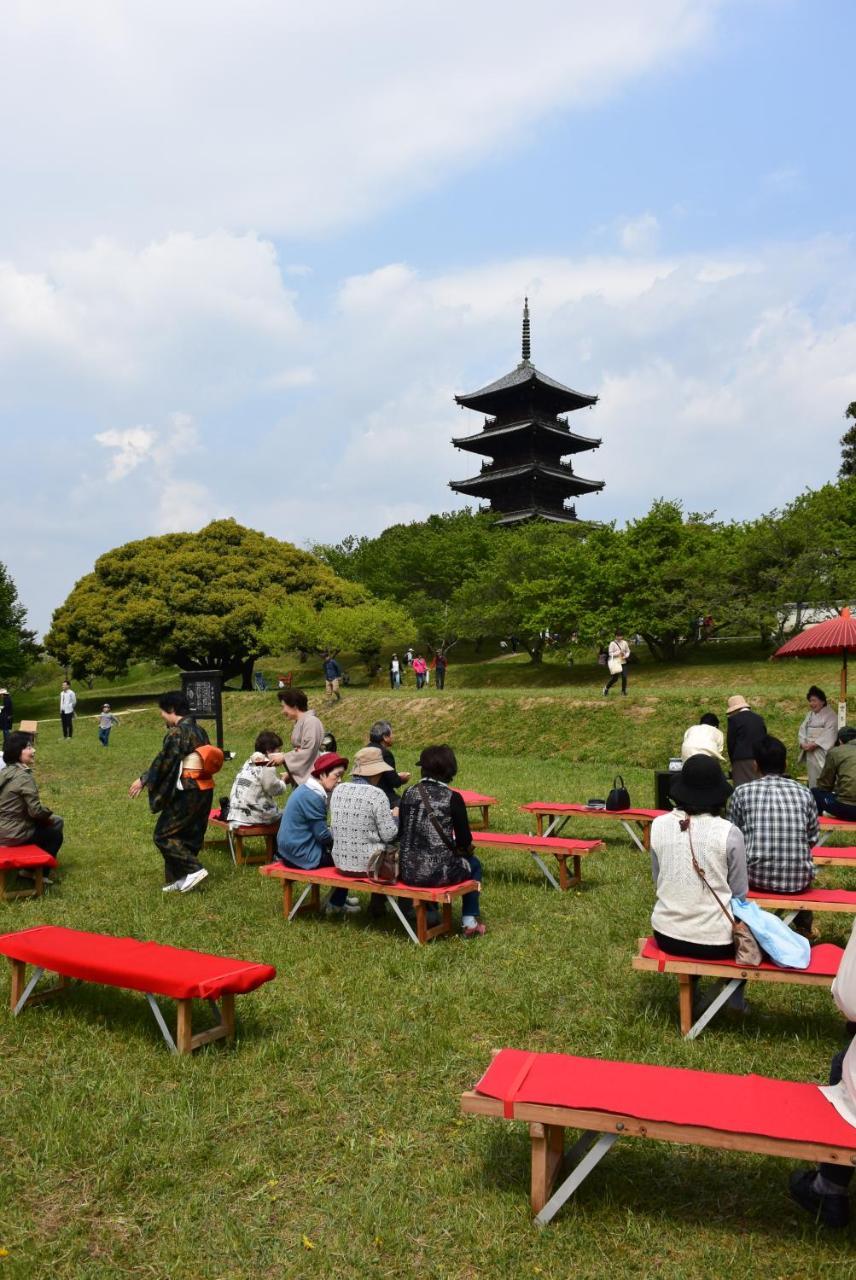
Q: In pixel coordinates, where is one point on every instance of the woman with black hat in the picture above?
(698, 861)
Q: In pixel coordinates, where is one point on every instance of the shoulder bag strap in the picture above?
(429, 808)
(685, 826)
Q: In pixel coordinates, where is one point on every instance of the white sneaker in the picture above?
(195, 878)
(175, 886)
(346, 910)
(353, 900)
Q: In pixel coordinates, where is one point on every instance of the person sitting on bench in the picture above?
(835, 792)
(252, 800)
(687, 919)
(23, 817)
(380, 735)
(823, 1191)
(778, 818)
(305, 840)
(436, 841)
(361, 819)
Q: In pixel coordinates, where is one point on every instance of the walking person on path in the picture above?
(181, 801)
(420, 666)
(332, 676)
(106, 722)
(395, 672)
(67, 703)
(617, 658)
(441, 662)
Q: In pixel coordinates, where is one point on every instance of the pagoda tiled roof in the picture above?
(575, 443)
(487, 480)
(526, 373)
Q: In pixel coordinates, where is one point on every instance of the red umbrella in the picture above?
(837, 635)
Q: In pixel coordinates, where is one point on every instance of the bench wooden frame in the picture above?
(561, 849)
(688, 970)
(810, 900)
(601, 1130)
(473, 800)
(235, 837)
(557, 815)
(24, 992)
(312, 882)
(9, 865)
(829, 826)
(837, 856)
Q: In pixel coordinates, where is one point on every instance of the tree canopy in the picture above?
(196, 600)
(18, 645)
(848, 444)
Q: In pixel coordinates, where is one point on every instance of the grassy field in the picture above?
(328, 1141)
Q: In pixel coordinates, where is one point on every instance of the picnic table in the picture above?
(558, 815)
(473, 800)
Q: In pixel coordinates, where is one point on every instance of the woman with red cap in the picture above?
(304, 839)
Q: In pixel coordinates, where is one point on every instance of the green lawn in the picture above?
(328, 1141)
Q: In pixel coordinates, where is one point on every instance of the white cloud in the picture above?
(640, 235)
(131, 446)
(292, 119)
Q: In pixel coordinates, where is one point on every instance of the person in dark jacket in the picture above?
(5, 714)
(23, 817)
(435, 838)
(332, 676)
(380, 735)
(745, 730)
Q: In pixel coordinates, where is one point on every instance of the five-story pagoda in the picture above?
(526, 441)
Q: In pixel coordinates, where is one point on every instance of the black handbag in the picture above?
(619, 796)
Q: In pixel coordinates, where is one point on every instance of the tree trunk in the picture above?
(247, 673)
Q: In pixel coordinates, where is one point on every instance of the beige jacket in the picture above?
(306, 740)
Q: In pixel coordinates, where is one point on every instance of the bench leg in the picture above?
(720, 999)
(393, 902)
(548, 1147)
(19, 981)
(686, 990)
(641, 845)
(184, 1027)
(3, 886)
(485, 817)
(240, 860)
(578, 1175)
(539, 862)
(421, 922)
(270, 847)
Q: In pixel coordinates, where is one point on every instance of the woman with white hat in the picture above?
(360, 817)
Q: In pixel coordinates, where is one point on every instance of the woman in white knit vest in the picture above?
(687, 919)
(360, 818)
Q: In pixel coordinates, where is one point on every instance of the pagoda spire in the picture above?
(527, 348)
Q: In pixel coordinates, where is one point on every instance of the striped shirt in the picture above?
(778, 818)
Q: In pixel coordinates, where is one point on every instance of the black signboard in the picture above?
(202, 690)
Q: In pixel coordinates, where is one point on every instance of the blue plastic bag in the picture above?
(783, 945)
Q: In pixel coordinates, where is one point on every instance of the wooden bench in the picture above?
(560, 848)
(609, 1100)
(825, 959)
(236, 836)
(824, 856)
(150, 967)
(473, 800)
(829, 825)
(331, 878)
(558, 815)
(842, 901)
(24, 857)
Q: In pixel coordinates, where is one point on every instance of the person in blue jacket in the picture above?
(304, 839)
(332, 676)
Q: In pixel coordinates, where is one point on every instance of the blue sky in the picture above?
(249, 260)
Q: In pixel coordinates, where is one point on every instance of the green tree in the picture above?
(848, 444)
(18, 646)
(361, 626)
(196, 600)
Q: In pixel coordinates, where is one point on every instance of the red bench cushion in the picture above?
(550, 843)
(827, 820)
(473, 797)
(847, 854)
(584, 811)
(825, 959)
(127, 962)
(14, 857)
(322, 875)
(847, 897)
(673, 1095)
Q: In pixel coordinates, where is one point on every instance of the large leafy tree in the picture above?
(196, 600)
(847, 469)
(362, 626)
(18, 645)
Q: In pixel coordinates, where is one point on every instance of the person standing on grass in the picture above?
(420, 666)
(441, 662)
(67, 703)
(6, 714)
(617, 658)
(395, 672)
(181, 803)
(818, 733)
(306, 736)
(332, 676)
(106, 722)
(745, 730)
